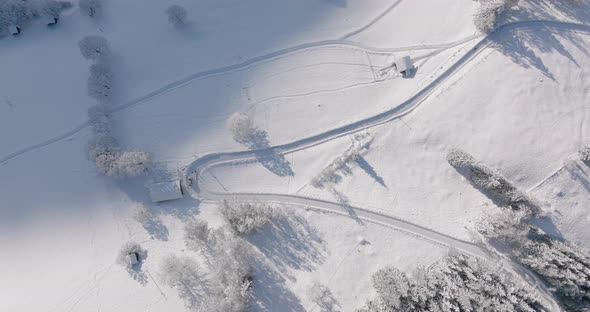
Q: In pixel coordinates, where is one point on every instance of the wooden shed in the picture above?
(404, 65)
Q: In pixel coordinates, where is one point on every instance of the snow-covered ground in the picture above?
(519, 104)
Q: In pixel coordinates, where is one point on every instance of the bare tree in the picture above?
(177, 15)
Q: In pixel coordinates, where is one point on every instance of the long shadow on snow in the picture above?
(362, 162)
(519, 47)
(267, 156)
(286, 244)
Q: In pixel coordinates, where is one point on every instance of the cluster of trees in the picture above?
(457, 283)
(332, 174)
(20, 13)
(486, 18)
(491, 182)
(103, 149)
(563, 267)
(244, 218)
(229, 260)
(322, 297)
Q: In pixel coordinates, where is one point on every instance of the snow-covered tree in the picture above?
(100, 82)
(94, 48)
(90, 8)
(459, 159)
(585, 154)
(197, 235)
(245, 218)
(128, 248)
(183, 274)
(562, 266)
(241, 127)
(486, 18)
(177, 15)
(456, 283)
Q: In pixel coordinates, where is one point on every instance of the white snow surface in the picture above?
(520, 104)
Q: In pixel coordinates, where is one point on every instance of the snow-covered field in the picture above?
(517, 100)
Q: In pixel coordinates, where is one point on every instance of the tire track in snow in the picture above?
(372, 22)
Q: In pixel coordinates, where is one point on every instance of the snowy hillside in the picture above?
(314, 174)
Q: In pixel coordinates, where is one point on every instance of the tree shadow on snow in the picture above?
(290, 243)
(520, 44)
(269, 291)
(137, 274)
(362, 162)
(267, 156)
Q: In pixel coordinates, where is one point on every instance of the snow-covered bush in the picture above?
(94, 48)
(182, 273)
(90, 8)
(100, 82)
(457, 283)
(585, 154)
(244, 218)
(241, 127)
(486, 18)
(177, 15)
(129, 248)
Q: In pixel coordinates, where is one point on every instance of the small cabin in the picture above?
(404, 65)
(133, 258)
(13, 30)
(50, 20)
(165, 191)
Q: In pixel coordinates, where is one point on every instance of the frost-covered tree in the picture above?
(585, 154)
(486, 18)
(562, 266)
(183, 274)
(457, 283)
(53, 8)
(100, 82)
(491, 182)
(245, 218)
(94, 48)
(128, 248)
(177, 15)
(90, 8)
(241, 127)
